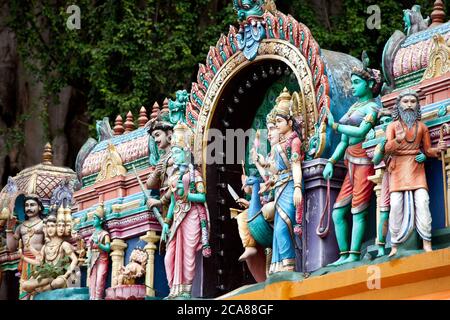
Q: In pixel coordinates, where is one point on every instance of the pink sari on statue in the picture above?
(185, 240)
(98, 269)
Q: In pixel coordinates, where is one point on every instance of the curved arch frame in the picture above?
(270, 49)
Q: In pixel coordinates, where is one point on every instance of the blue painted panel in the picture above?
(433, 169)
(161, 286)
(160, 281)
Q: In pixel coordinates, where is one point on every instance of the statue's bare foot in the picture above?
(381, 251)
(427, 246)
(393, 252)
(249, 251)
(353, 257)
(186, 295)
(339, 262)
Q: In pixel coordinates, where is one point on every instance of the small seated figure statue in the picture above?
(134, 269)
(52, 262)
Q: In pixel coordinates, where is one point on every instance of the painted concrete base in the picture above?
(420, 274)
(64, 294)
(126, 292)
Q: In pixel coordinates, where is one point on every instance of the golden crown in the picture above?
(100, 211)
(182, 136)
(68, 215)
(283, 104)
(60, 215)
(271, 117)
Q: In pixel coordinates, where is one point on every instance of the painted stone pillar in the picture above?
(317, 252)
(152, 239)
(447, 171)
(117, 256)
(377, 178)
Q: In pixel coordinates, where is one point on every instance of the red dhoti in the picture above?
(25, 269)
(356, 189)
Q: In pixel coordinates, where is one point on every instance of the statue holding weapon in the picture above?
(186, 225)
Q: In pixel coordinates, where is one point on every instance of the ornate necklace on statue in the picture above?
(33, 225)
(30, 232)
(95, 236)
(357, 105)
(415, 132)
(52, 251)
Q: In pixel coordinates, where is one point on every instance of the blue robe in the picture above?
(283, 248)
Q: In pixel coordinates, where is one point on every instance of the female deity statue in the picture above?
(287, 184)
(186, 225)
(99, 246)
(356, 190)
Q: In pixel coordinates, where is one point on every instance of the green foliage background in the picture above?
(130, 53)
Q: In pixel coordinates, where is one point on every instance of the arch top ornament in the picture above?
(283, 38)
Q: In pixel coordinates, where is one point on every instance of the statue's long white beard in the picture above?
(409, 117)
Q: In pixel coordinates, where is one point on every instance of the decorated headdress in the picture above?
(50, 218)
(369, 74)
(289, 107)
(283, 104)
(100, 211)
(68, 215)
(182, 136)
(60, 215)
(270, 118)
(160, 123)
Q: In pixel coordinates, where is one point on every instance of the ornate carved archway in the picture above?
(288, 41)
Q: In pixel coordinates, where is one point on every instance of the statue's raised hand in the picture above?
(243, 203)
(11, 223)
(400, 134)
(244, 180)
(254, 155)
(328, 171)
(151, 202)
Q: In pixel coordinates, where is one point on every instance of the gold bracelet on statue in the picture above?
(164, 199)
(298, 185)
(167, 220)
(332, 161)
(8, 231)
(335, 126)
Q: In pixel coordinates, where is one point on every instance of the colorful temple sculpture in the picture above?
(46, 189)
(286, 172)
